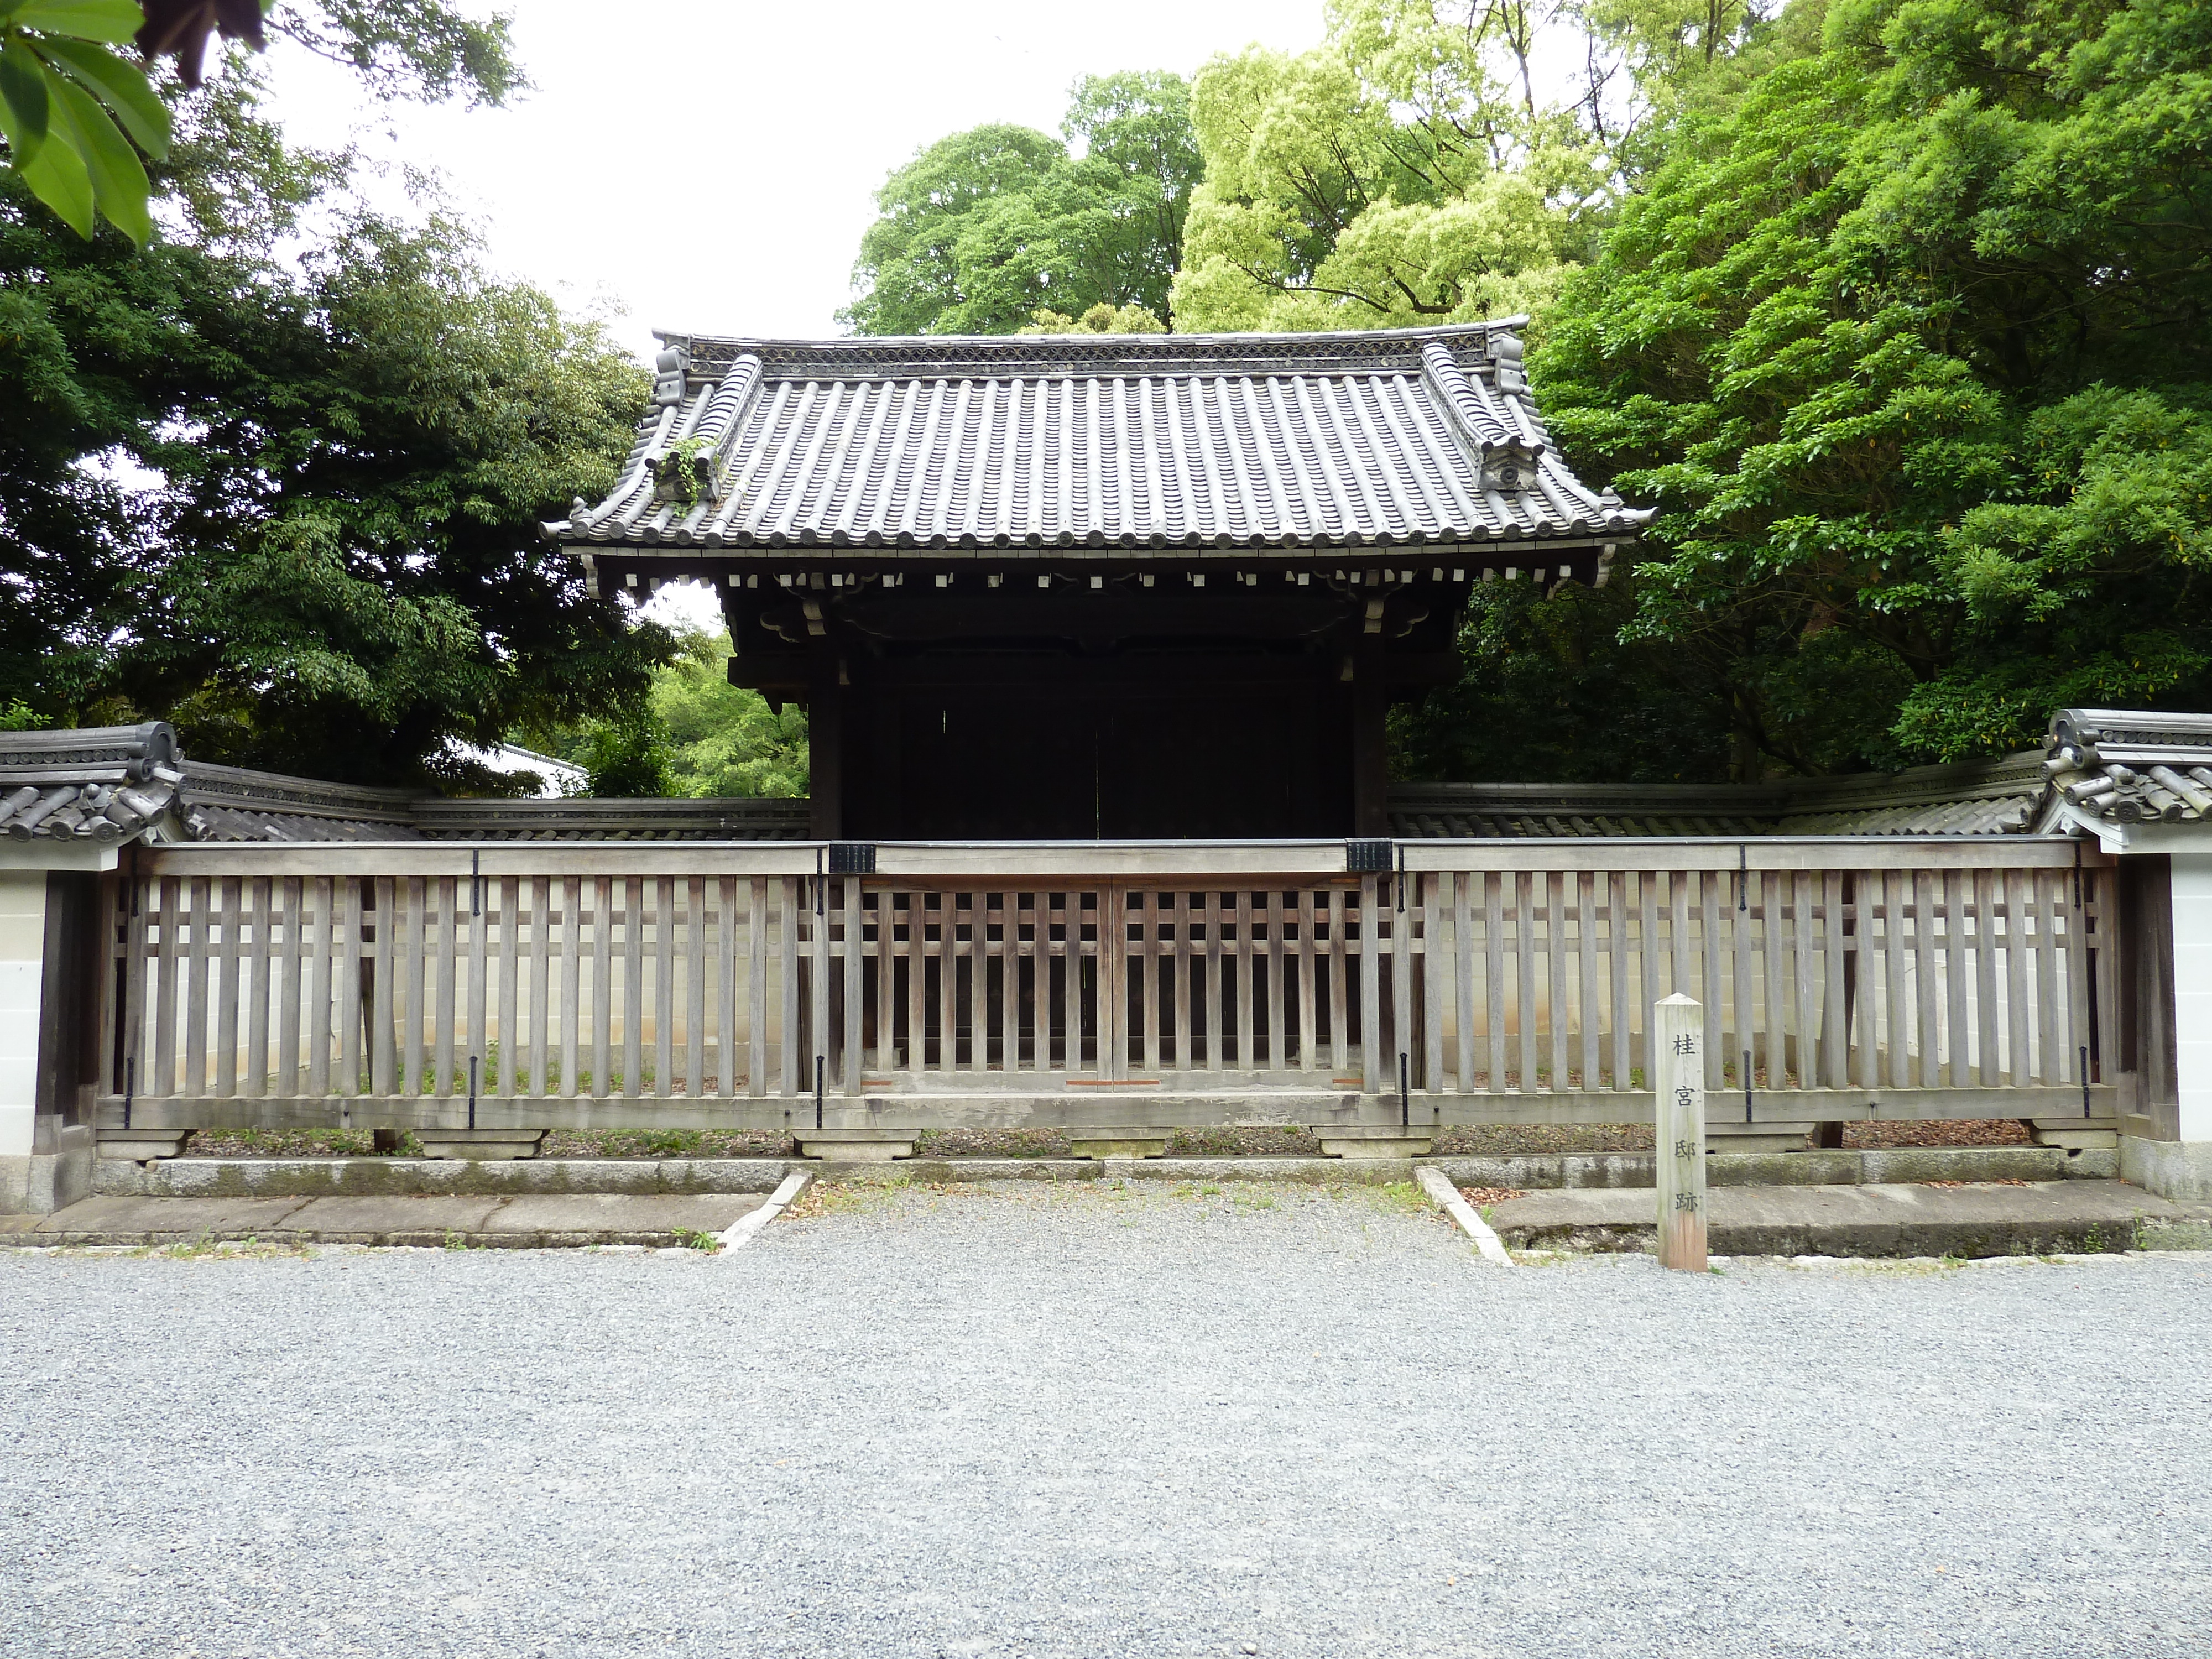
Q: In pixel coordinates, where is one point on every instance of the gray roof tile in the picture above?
(1232, 441)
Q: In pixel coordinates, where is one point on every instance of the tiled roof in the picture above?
(1239, 441)
(1489, 811)
(2132, 766)
(99, 783)
(228, 803)
(1979, 798)
(1973, 798)
(613, 820)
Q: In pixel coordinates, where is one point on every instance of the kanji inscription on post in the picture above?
(1678, 1087)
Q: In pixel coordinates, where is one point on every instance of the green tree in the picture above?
(282, 487)
(1910, 342)
(1400, 173)
(725, 740)
(987, 227)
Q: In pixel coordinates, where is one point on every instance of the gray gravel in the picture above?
(1034, 1421)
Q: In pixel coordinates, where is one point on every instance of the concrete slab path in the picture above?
(527, 1219)
(2041, 1218)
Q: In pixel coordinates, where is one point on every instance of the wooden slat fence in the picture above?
(291, 979)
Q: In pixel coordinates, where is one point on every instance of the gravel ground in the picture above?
(1152, 1420)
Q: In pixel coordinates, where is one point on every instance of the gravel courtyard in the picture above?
(1048, 1421)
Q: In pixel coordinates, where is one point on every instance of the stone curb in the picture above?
(1587, 1170)
(392, 1177)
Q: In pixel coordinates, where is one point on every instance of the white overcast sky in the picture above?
(708, 165)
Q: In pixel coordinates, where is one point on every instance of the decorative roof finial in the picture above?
(669, 368)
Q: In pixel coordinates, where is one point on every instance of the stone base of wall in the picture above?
(2178, 1170)
(43, 1182)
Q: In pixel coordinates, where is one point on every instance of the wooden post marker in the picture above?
(1678, 1073)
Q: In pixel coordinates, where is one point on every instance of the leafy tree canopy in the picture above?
(1909, 340)
(696, 735)
(280, 487)
(1402, 173)
(987, 227)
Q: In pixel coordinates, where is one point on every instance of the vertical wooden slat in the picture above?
(229, 957)
(482, 898)
(264, 948)
(792, 920)
(1835, 1018)
(633, 1001)
(1403, 1003)
(695, 987)
(2096, 885)
(979, 980)
(293, 890)
(1244, 960)
(1927, 977)
(1895, 959)
(541, 986)
(662, 998)
(383, 1054)
(756, 1032)
(224, 972)
(1806, 957)
(1650, 888)
(445, 955)
(916, 953)
(1278, 997)
(1956, 976)
(1340, 1015)
(1368, 967)
(571, 1016)
(323, 903)
(1558, 883)
(726, 989)
(1619, 887)
(1463, 999)
(137, 970)
(1493, 978)
(1113, 982)
(1431, 972)
(348, 1011)
(2077, 984)
(1010, 973)
(2047, 890)
(948, 979)
(1985, 978)
(508, 1074)
(603, 986)
(1743, 944)
(2019, 911)
(1653, 891)
(1588, 885)
(1072, 987)
(851, 1060)
(886, 954)
(1773, 927)
(1682, 960)
(409, 915)
(1715, 915)
(1154, 1003)
(1524, 951)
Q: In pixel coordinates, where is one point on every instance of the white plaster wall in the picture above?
(22, 951)
(2192, 990)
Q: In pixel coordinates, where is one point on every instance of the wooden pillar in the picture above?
(1370, 772)
(1678, 1076)
(825, 739)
